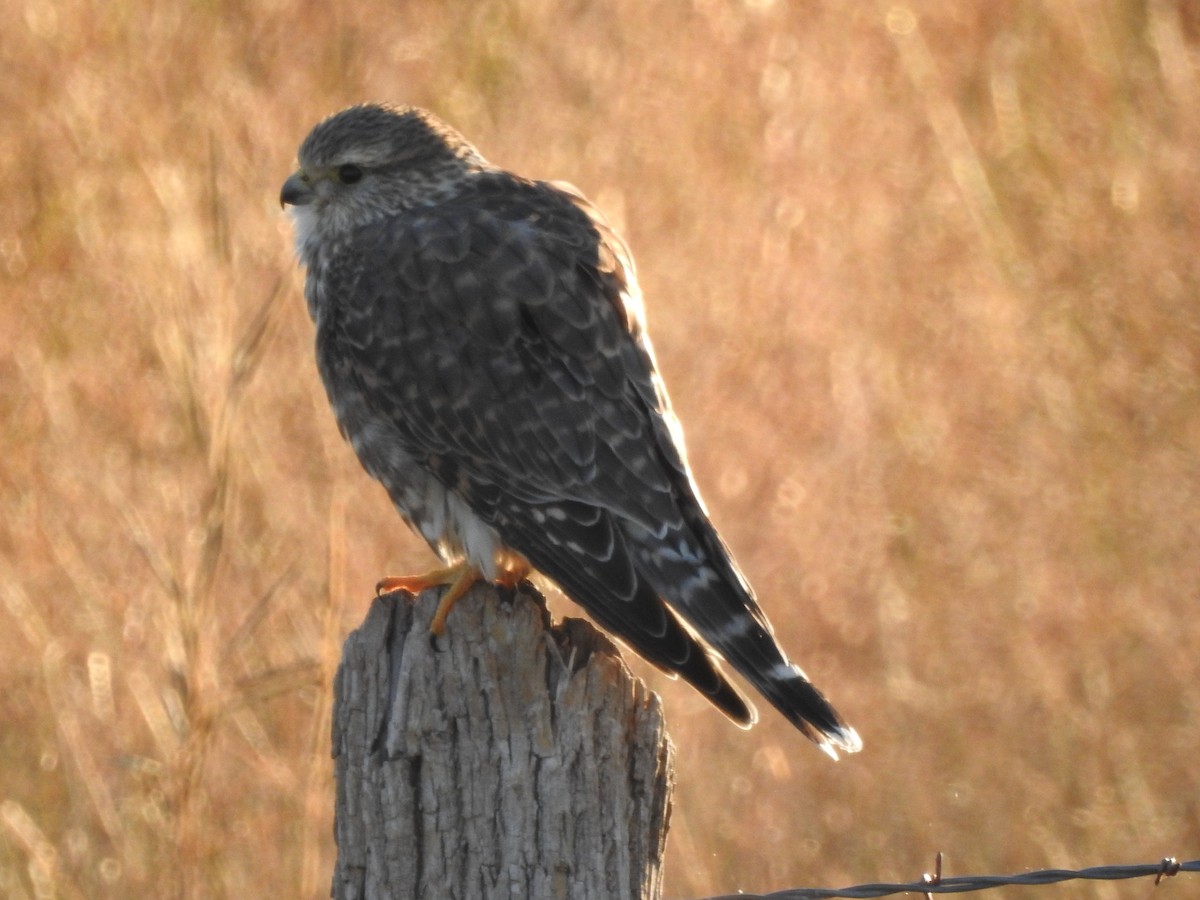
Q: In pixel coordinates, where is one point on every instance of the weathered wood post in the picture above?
(505, 759)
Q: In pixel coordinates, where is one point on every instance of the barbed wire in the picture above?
(939, 884)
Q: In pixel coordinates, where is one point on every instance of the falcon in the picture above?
(482, 342)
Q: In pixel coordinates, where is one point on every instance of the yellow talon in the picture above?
(511, 569)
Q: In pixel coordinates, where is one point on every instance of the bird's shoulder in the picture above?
(488, 210)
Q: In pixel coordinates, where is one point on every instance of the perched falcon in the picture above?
(481, 340)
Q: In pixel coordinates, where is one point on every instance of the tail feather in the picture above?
(697, 576)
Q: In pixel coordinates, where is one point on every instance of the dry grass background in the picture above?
(923, 281)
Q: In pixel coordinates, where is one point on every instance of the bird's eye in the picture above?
(349, 174)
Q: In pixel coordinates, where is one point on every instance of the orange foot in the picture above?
(460, 577)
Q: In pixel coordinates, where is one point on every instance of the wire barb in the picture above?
(936, 877)
(1169, 867)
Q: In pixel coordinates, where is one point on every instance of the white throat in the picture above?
(304, 219)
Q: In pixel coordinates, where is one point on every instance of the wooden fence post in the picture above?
(507, 759)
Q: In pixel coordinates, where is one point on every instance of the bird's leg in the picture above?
(511, 569)
(414, 584)
(459, 576)
(467, 577)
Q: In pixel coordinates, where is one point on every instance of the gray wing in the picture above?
(501, 333)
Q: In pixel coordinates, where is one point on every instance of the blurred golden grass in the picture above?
(923, 281)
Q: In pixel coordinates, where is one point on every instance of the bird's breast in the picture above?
(436, 512)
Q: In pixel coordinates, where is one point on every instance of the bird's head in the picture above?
(369, 161)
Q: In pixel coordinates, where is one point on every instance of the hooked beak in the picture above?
(296, 190)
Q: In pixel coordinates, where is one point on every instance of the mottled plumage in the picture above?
(481, 340)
